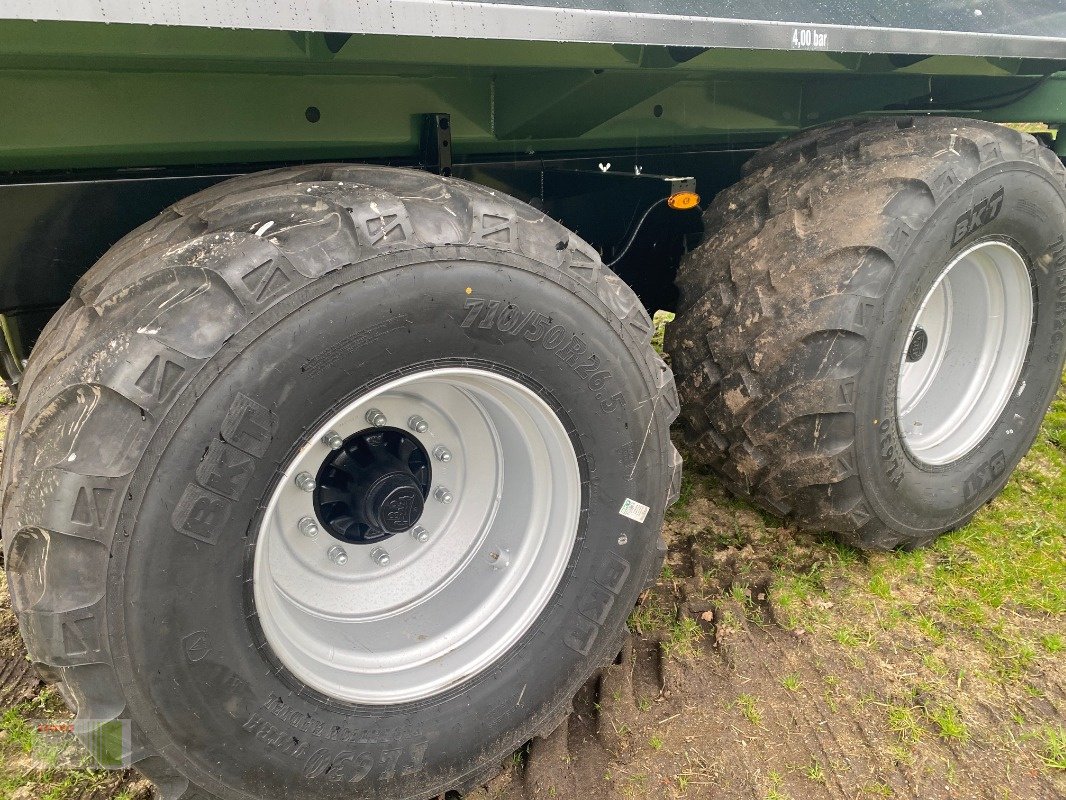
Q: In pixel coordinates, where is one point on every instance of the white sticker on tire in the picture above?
(634, 510)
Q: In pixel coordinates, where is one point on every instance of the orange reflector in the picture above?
(682, 201)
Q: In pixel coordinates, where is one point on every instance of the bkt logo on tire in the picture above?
(977, 217)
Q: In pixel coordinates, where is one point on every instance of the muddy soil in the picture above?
(761, 711)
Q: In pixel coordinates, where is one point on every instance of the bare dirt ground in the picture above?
(770, 664)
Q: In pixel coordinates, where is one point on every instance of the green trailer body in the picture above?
(89, 99)
(136, 95)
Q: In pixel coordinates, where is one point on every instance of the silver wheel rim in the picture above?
(442, 609)
(975, 324)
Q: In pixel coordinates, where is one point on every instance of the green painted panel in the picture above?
(84, 95)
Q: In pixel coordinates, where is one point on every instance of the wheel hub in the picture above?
(491, 528)
(965, 353)
(374, 486)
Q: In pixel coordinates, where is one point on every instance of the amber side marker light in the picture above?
(682, 201)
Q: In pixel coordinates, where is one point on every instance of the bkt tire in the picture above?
(336, 481)
(873, 328)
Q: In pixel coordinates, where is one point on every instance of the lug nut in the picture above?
(442, 453)
(380, 556)
(375, 418)
(333, 439)
(306, 481)
(337, 555)
(308, 527)
(420, 533)
(417, 424)
(443, 495)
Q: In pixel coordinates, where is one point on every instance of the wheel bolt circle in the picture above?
(442, 453)
(380, 556)
(333, 439)
(420, 534)
(337, 555)
(418, 424)
(308, 527)
(306, 481)
(443, 495)
(376, 418)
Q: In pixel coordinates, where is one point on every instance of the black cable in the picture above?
(1013, 96)
(636, 230)
(1020, 94)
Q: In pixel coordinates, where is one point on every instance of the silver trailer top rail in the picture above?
(1015, 28)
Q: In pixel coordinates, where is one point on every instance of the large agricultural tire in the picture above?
(808, 379)
(155, 506)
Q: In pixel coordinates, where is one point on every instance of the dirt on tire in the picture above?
(795, 308)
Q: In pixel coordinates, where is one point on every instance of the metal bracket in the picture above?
(571, 181)
(437, 143)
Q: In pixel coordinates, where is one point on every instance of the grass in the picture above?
(1053, 642)
(749, 708)
(18, 735)
(999, 584)
(682, 639)
(679, 636)
(791, 682)
(1053, 751)
(25, 763)
(815, 771)
(659, 321)
(949, 723)
(904, 723)
(875, 789)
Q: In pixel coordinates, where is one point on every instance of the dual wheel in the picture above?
(872, 329)
(342, 480)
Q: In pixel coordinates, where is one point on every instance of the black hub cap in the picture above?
(374, 486)
(919, 343)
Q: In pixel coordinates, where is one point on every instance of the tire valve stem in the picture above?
(380, 556)
(443, 495)
(337, 555)
(442, 453)
(376, 418)
(420, 534)
(333, 440)
(417, 424)
(306, 481)
(500, 559)
(308, 527)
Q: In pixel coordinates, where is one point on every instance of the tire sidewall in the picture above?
(920, 500)
(198, 678)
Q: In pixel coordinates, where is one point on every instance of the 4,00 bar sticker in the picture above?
(809, 39)
(634, 510)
